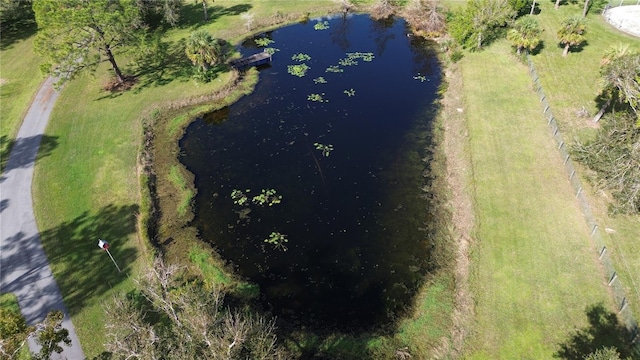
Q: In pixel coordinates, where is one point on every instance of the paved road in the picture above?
(24, 268)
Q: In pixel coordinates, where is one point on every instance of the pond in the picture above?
(312, 186)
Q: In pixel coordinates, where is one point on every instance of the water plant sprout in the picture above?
(326, 149)
(422, 78)
(277, 240)
(350, 92)
(320, 80)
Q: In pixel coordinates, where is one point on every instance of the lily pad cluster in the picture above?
(320, 80)
(326, 149)
(263, 42)
(321, 25)
(317, 98)
(301, 57)
(334, 69)
(299, 70)
(277, 240)
(266, 197)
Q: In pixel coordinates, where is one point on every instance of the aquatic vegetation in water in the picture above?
(298, 70)
(350, 92)
(334, 69)
(316, 97)
(271, 50)
(239, 197)
(262, 42)
(320, 80)
(359, 55)
(422, 78)
(301, 57)
(321, 25)
(352, 58)
(277, 240)
(326, 149)
(347, 62)
(267, 196)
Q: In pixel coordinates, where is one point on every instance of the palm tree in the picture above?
(202, 49)
(572, 32)
(525, 34)
(204, 9)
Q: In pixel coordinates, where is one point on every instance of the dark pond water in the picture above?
(355, 216)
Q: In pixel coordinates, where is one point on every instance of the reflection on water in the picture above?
(348, 168)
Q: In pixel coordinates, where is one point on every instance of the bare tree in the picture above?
(196, 324)
(426, 16)
(248, 19)
(382, 9)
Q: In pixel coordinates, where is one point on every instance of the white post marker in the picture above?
(105, 246)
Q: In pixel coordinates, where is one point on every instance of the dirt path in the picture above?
(459, 173)
(24, 268)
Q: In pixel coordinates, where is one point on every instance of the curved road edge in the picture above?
(24, 268)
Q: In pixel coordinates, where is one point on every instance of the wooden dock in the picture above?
(253, 60)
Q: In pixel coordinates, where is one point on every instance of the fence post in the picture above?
(623, 304)
(618, 291)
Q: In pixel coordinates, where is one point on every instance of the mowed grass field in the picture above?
(534, 270)
(20, 79)
(572, 83)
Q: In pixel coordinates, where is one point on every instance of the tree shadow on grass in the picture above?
(574, 49)
(167, 63)
(24, 152)
(85, 270)
(82, 270)
(604, 330)
(192, 15)
(16, 31)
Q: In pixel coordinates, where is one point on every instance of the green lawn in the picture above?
(567, 91)
(20, 79)
(534, 271)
